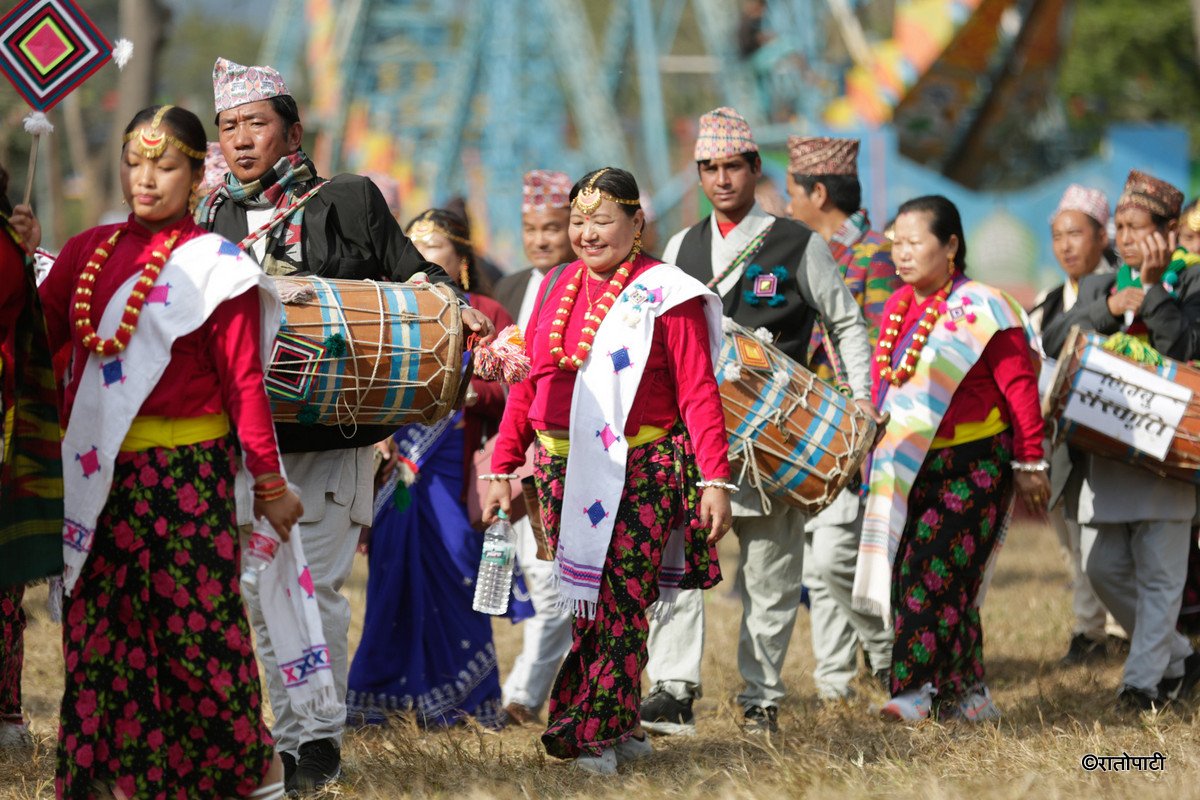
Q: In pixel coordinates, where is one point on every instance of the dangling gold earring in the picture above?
(464, 275)
(950, 263)
(637, 246)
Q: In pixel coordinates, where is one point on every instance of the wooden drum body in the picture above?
(1110, 405)
(365, 353)
(795, 436)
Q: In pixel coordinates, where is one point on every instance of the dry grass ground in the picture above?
(1052, 717)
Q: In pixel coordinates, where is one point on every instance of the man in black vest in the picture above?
(545, 214)
(292, 222)
(772, 273)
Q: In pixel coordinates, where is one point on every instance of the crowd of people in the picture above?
(139, 449)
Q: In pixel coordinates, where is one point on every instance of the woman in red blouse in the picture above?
(631, 458)
(162, 690)
(955, 370)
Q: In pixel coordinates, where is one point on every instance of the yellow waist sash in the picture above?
(149, 432)
(973, 431)
(562, 447)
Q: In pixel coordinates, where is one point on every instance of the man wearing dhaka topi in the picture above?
(295, 223)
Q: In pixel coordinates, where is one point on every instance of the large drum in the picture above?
(794, 436)
(1110, 405)
(365, 353)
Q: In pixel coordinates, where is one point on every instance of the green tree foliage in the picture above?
(1132, 61)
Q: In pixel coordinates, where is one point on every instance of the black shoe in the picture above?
(289, 767)
(665, 715)
(761, 719)
(1135, 699)
(1083, 650)
(1181, 688)
(320, 763)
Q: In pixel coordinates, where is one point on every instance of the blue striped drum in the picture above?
(791, 435)
(365, 353)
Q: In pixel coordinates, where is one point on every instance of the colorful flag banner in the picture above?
(49, 47)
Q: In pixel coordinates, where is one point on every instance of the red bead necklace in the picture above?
(592, 319)
(82, 303)
(887, 343)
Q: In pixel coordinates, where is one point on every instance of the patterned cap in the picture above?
(1092, 202)
(724, 134)
(1150, 194)
(822, 155)
(235, 85)
(545, 189)
(215, 168)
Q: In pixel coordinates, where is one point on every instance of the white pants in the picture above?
(769, 577)
(546, 636)
(830, 557)
(1091, 617)
(1138, 570)
(332, 488)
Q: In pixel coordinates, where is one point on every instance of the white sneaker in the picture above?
(977, 706)
(603, 764)
(910, 706)
(15, 736)
(632, 749)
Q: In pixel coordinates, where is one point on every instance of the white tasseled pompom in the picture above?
(36, 124)
(122, 51)
(727, 324)
(764, 335)
(732, 371)
(780, 377)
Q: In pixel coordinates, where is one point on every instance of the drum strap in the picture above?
(549, 285)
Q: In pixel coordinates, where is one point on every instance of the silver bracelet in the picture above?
(729, 487)
(1031, 466)
(498, 476)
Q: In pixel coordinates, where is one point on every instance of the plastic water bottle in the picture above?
(259, 551)
(496, 567)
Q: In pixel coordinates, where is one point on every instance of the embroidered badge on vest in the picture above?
(765, 285)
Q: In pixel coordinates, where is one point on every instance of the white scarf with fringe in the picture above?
(600, 406)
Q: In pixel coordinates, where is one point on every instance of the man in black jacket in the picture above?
(293, 222)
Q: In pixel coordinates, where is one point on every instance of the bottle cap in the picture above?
(501, 513)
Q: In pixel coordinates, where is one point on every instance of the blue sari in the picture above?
(424, 650)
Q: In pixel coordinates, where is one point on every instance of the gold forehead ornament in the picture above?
(589, 198)
(424, 228)
(152, 142)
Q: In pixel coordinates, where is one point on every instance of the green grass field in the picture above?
(1052, 718)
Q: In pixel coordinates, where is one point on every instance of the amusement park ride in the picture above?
(460, 97)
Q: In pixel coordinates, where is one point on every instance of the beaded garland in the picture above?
(887, 343)
(82, 303)
(592, 320)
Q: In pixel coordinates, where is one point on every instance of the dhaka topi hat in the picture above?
(724, 133)
(1150, 194)
(545, 189)
(235, 85)
(1092, 202)
(822, 155)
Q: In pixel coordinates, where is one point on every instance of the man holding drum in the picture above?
(776, 274)
(273, 204)
(545, 218)
(825, 194)
(1136, 525)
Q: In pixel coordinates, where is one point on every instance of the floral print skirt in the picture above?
(162, 696)
(956, 512)
(12, 651)
(595, 699)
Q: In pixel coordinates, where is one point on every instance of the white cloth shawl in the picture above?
(600, 405)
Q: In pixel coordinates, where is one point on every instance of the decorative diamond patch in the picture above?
(113, 372)
(766, 286)
(656, 295)
(47, 48)
(595, 513)
(607, 437)
(159, 294)
(294, 361)
(89, 462)
(620, 359)
(751, 353)
(228, 248)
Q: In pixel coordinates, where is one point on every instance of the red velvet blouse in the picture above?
(1002, 378)
(213, 369)
(678, 380)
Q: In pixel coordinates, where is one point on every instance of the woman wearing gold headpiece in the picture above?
(166, 326)
(631, 458)
(424, 648)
